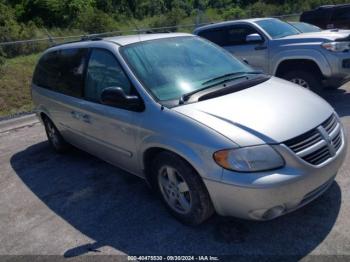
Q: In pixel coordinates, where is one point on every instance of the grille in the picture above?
(319, 144)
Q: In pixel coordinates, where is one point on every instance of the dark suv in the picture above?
(328, 16)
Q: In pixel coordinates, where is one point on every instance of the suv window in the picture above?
(104, 71)
(341, 14)
(319, 17)
(230, 35)
(237, 35)
(216, 36)
(62, 71)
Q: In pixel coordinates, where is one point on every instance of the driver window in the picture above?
(104, 71)
(237, 35)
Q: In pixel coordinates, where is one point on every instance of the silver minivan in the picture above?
(206, 131)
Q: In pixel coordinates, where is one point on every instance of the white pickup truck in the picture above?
(311, 60)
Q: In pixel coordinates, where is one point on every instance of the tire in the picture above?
(54, 137)
(335, 84)
(333, 87)
(312, 80)
(181, 189)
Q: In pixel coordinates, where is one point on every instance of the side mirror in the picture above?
(115, 96)
(254, 38)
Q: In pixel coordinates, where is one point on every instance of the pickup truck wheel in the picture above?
(181, 189)
(54, 137)
(308, 80)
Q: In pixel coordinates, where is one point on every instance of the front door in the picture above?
(253, 53)
(110, 132)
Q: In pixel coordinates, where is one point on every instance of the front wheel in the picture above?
(306, 79)
(181, 189)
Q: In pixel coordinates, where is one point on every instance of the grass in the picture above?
(15, 78)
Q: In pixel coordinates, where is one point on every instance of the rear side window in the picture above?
(62, 71)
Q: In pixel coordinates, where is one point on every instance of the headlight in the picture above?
(249, 159)
(337, 46)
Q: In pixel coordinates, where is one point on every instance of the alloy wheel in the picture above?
(301, 82)
(174, 189)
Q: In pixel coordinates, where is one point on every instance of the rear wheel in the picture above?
(181, 189)
(306, 79)
(54, 137)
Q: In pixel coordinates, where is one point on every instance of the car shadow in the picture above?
(117, 209)
(339, 99)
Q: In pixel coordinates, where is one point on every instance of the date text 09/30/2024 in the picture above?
(173, 258)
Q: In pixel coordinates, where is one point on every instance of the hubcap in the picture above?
(51, 133)
(174, 189)
(301, 82)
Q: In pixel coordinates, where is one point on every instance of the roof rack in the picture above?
(82, 39)
(325, 6)
(93, 37)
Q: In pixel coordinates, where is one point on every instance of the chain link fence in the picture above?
(18, 60)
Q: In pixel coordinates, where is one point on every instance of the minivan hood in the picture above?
(323, 35)
(271, 112)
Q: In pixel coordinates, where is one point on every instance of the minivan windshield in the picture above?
(173, 67)
(277, 28)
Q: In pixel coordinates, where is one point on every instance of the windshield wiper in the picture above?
(186, 96)
(228, 75)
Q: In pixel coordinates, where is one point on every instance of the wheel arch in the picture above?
(289, 64)
(308, 56)
(42, 113)
(43, 116)
(182, 151)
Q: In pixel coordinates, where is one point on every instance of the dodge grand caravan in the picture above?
(202, 128)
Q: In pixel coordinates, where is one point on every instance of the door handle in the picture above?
(262, 47)
(86, 118)
(75, 115)
(80, 116)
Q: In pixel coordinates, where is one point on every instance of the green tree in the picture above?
(149, 8)
(172, 18)
(2, 60)
(234, 13)
(51, 13)
(95, 21)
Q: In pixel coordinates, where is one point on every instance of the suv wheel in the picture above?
(181, 189)
(308, 80)
(54, 137)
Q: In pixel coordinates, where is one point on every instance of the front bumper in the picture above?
(340, 65)
(266, 195)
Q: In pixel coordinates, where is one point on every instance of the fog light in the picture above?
(273, 212)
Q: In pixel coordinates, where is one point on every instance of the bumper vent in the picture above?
(319, 144)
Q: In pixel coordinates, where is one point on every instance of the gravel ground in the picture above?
(76, 204)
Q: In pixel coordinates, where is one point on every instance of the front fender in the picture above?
(198, 156)
(306, 54)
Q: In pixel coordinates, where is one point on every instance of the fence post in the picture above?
(50, 39)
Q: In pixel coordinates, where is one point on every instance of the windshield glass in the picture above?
(305, 28)
(172, 67)
(277, 28)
